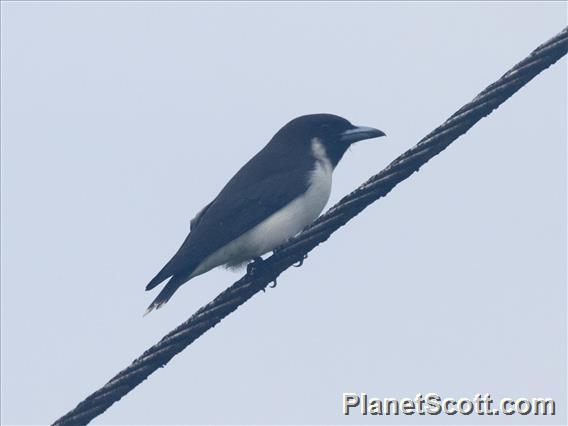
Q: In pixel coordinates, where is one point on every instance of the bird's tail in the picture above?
(167, 292)
(165, 273)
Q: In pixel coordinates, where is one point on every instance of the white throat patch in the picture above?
(320, 154)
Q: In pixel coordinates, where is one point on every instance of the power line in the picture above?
(376, 187)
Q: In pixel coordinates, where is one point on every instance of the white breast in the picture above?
(282, 225)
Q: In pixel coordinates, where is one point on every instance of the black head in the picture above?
(335, 133)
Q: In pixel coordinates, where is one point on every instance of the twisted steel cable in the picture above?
(259, 276)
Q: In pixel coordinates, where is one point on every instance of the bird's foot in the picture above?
(301, 261)
(254, 267)
(277, 249)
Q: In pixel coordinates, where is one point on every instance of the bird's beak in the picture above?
(360, 133)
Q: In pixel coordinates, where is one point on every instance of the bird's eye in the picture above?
(325, 127)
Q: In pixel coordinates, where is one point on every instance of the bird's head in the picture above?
(325, 134)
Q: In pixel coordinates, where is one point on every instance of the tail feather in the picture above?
(167, 292)
(160, 276)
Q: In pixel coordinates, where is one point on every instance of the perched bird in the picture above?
(279, 192)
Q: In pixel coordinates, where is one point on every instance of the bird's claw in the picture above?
(301, 261)
(255, 265)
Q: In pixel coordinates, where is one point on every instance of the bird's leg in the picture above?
(301, 261)
(255, 265)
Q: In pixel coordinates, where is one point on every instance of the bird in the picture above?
(272, 198)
